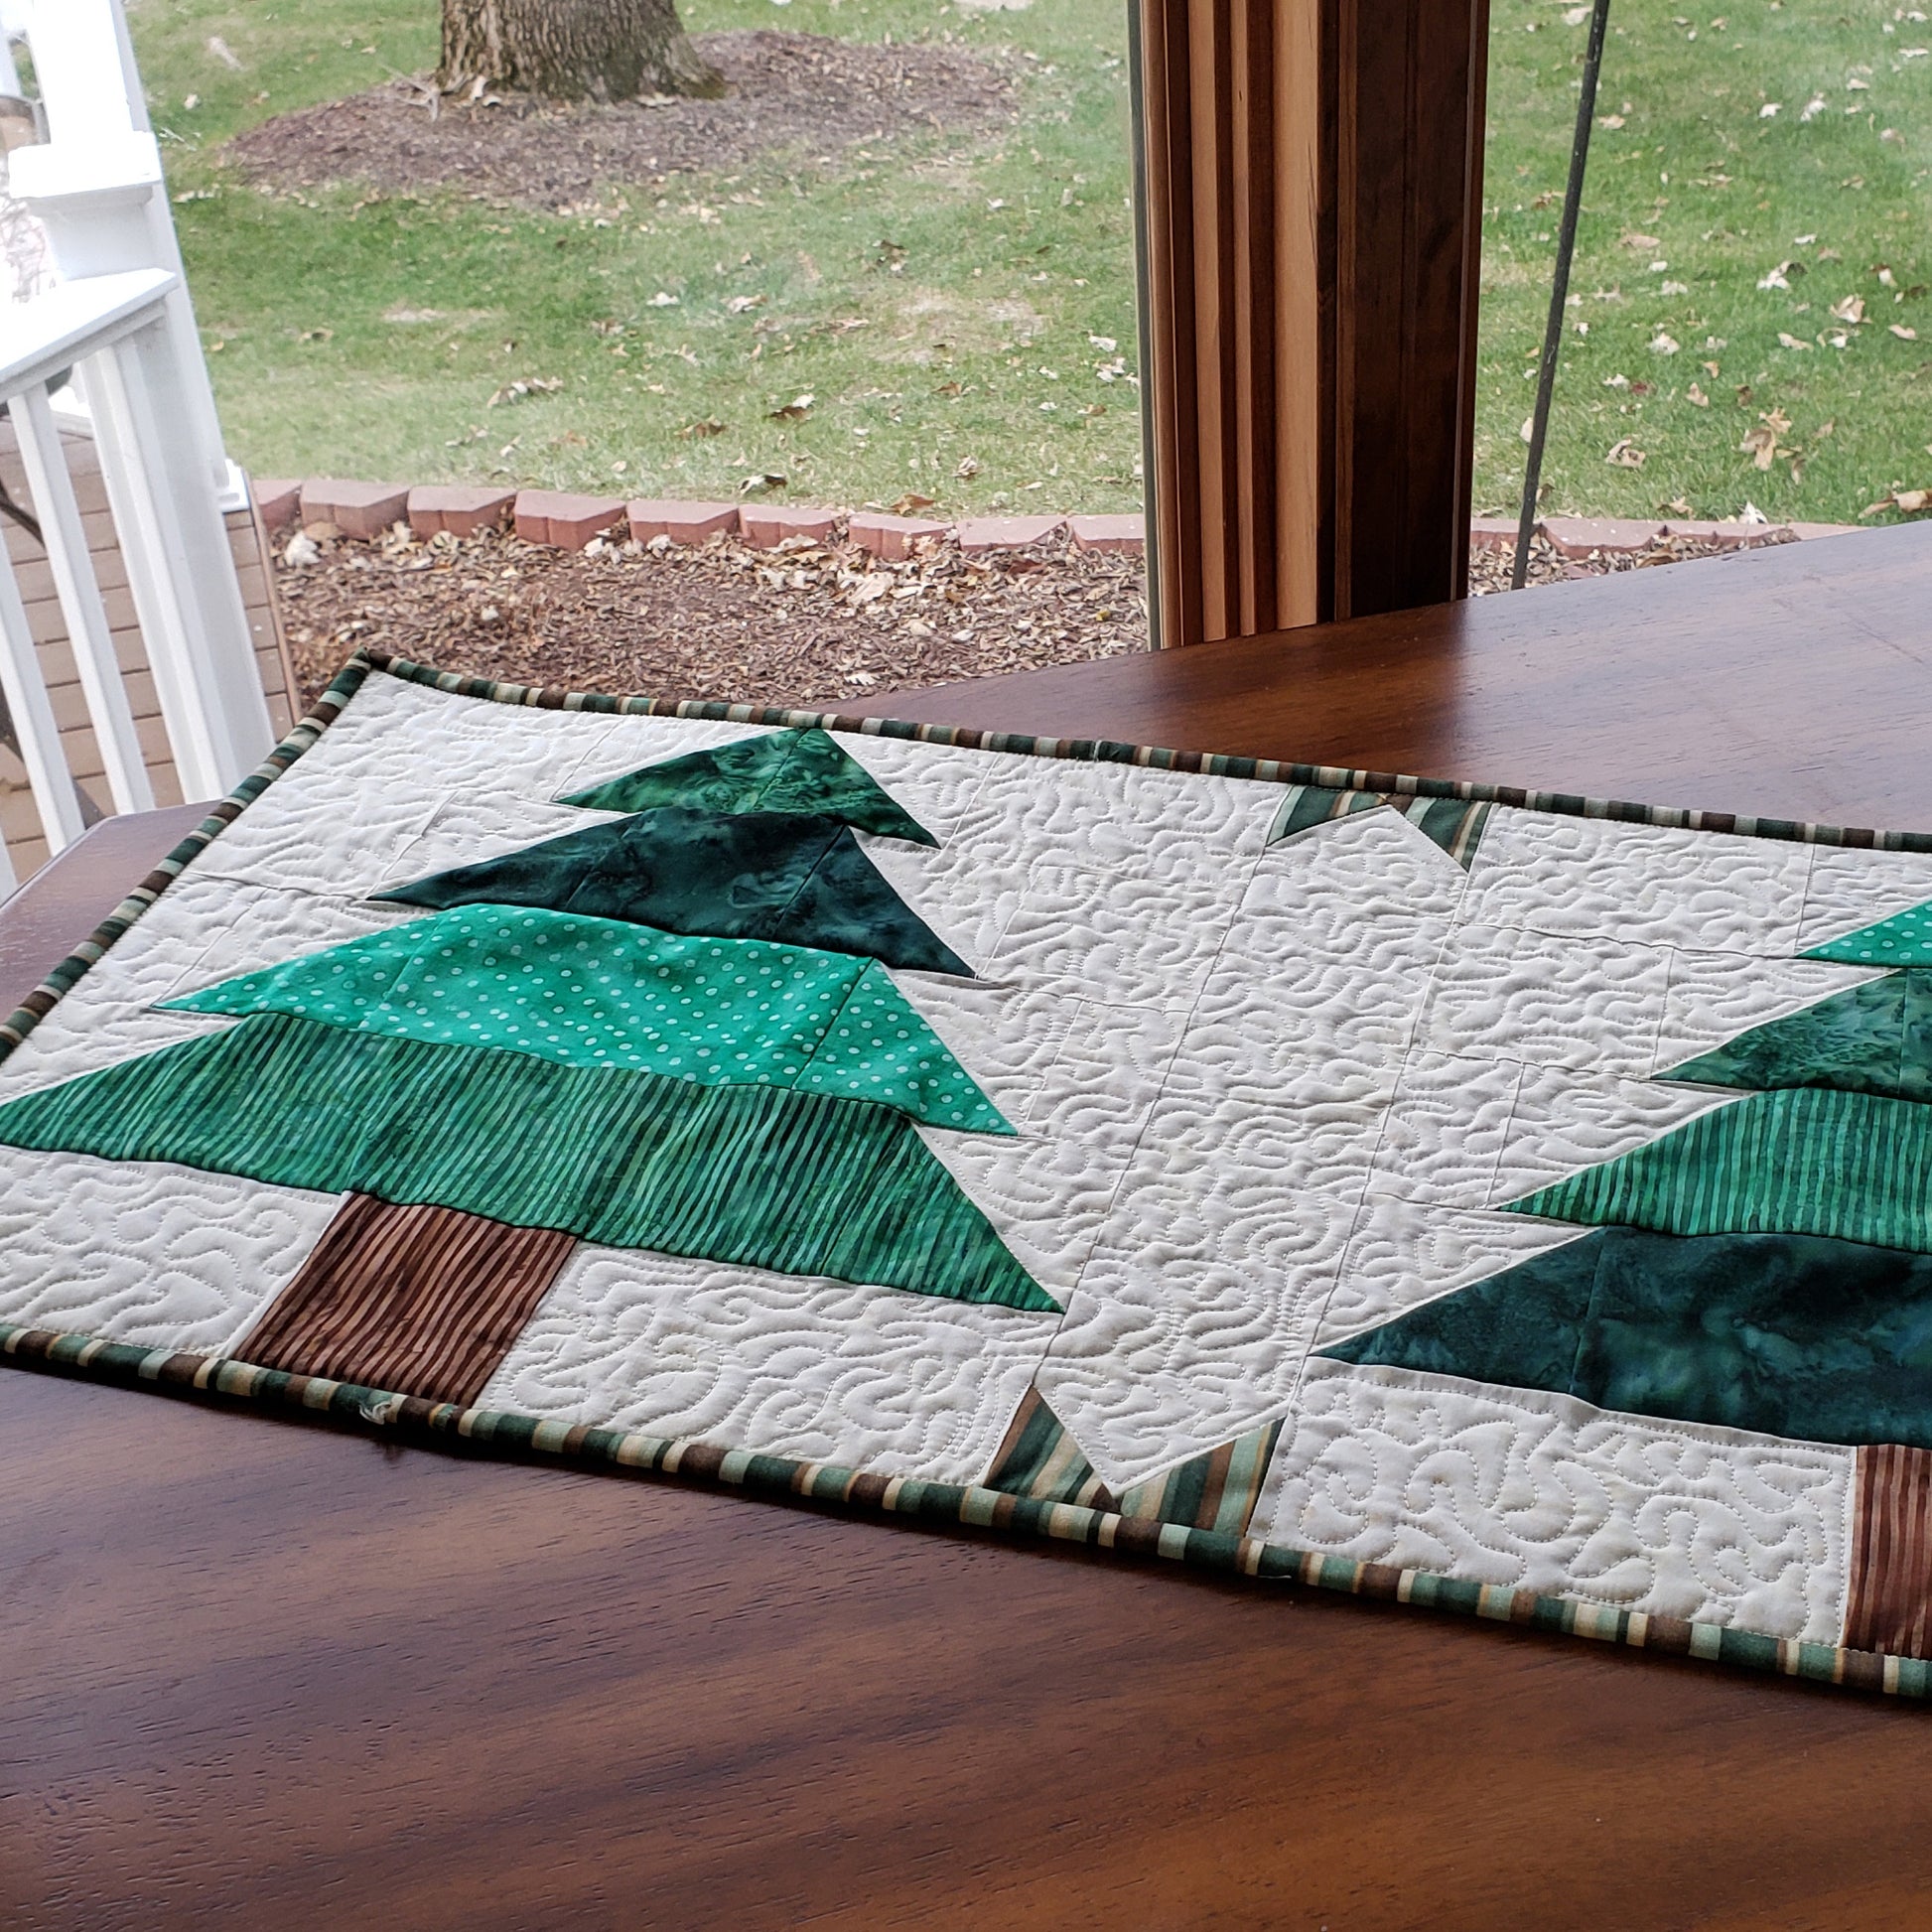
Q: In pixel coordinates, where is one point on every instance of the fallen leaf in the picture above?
(1787, 340)
(223, 52)
(743, 304)
(871, 588)
(317, 335)
(1610, 121)
(706, 427)
(1645, 241)
(529, 385)
(1624, 455)
(1663, 345)
(1769, 108)
(664, 299)
(1678, 506)
(763, 481)
(1850, 308)
(1761, 446)
(969, 467)
(1105, 344)
(1675, 288)
(1812, 108)
(794, 411)
(912, 502)
(1778, 277)
(1696, 397)
(1527, 431)
(1911, 501)
(1885, 277)
(950, 389)
(1616, 383)
(1711, 370)
(1903, 333)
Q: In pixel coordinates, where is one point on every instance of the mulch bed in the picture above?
(800, 92)
(804, 625)
(808, 625)
(1490, 570)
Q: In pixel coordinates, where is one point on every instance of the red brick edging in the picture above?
(570, 521)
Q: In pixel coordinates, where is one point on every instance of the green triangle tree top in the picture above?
(1904, 939)
(1787, 1335)
(794, 879)
(1873, 1038)
(797, 772)
(598, 994)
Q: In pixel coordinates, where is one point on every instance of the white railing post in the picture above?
(96, 185)
(74, 583)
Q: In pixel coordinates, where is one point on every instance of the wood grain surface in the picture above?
(260, 1673)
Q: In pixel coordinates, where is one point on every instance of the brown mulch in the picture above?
(808, 625)
(1490, 570)
(805, 625)
(801, 92)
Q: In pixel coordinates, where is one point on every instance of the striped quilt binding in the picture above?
(219, 1379)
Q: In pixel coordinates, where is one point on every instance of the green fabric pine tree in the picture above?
(1767, 1265)
(673, 1033)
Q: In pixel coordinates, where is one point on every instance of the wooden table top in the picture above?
(262, 1672)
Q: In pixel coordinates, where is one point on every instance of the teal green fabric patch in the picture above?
(792, 880)
(799, 1183)
(590, 992)
(1905, 939)
(799, 771)
(1454, 824)
(1875, 1038)
(1785, 1334)
(1856, 1166)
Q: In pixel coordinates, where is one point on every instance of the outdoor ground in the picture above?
(933, 244)
(806, 626)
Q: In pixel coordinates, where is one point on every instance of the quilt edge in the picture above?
(62, 977)
(215, 1379)
(1103, 751)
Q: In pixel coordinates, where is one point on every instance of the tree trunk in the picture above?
(572, 50)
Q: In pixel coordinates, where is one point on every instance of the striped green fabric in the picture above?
(797, 1182)
(1454, 824)
(602, 993)
(1216, 1490)
(1801, 1160)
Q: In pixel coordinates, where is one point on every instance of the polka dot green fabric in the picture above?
(605, 993)
(1905, 939)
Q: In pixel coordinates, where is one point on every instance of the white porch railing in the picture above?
(120, 319)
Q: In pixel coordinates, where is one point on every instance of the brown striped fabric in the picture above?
(1890, 1597)
(421, 1300)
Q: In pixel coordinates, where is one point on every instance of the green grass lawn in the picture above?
(978, 262)
(1696, 193)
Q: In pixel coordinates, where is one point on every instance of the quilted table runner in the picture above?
(1505, 1202)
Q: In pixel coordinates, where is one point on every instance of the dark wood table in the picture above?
(262, 1673)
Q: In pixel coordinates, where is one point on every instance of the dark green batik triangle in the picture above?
(790, 878)
(1905, 939)
(798, 771)
(1875, 1038)
(1856, 1167)
(1454, 824)
(802, 1184)
(1215, 1491)
(1783, 1334)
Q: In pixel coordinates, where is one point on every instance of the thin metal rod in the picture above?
(1560, 292)
(1144, 319)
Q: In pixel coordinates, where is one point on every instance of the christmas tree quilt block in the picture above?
(1505, 1202)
